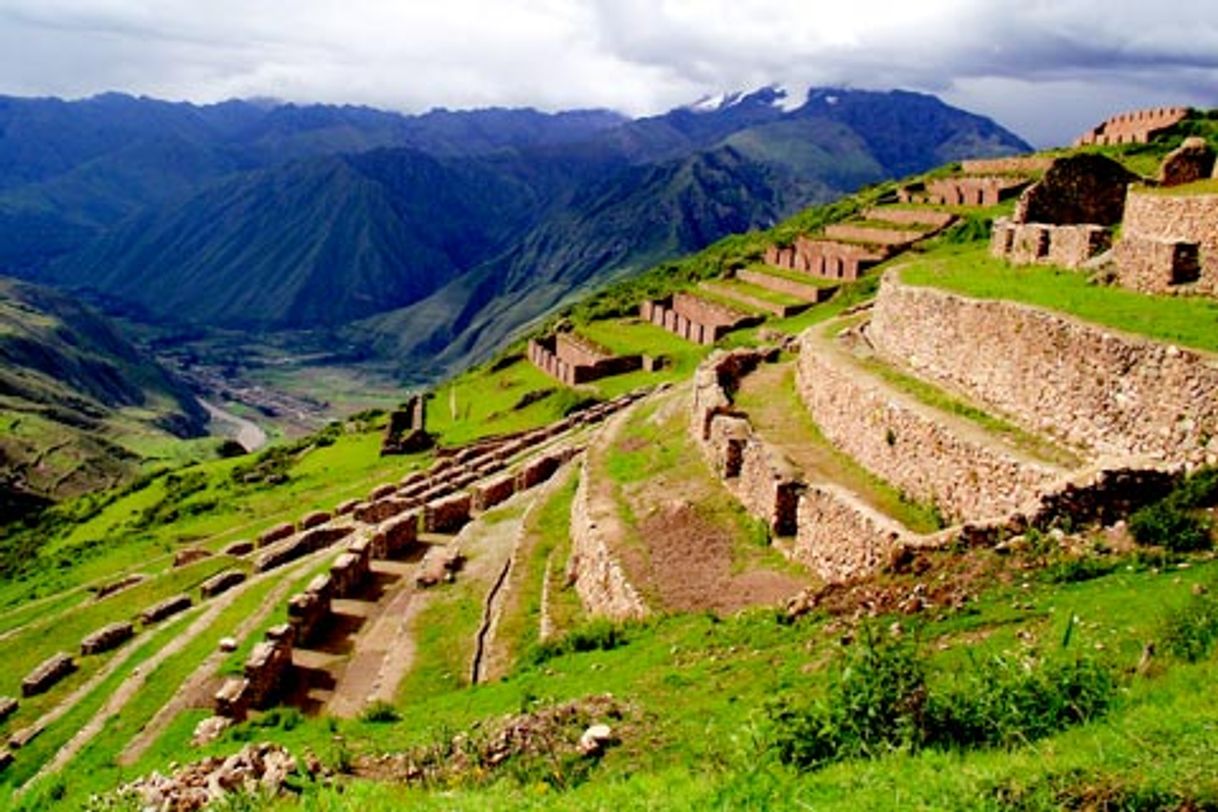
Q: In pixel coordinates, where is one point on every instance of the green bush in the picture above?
(599, 634)
(1189, 632)
(879, 701)
(380, 712)
(1166, 525)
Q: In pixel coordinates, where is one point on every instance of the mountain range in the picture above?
(425, 239)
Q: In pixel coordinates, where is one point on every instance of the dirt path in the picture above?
(139, 676)
(684, 548)
(246, 432)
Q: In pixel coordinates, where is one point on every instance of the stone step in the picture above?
(781, 282)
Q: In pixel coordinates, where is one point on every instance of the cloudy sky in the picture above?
(1046, 68)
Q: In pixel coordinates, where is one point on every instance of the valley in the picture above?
(906, 501)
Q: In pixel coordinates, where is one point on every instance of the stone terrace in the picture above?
(573, 359)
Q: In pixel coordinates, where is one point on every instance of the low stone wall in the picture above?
(972, 191)
(317, 518)
(896, 237)
(807, 292)
(183, 558)
(164, 609)
(399, 535)
(492, 493)
(1015, 165)
(1172, 237)
(221, 582)
(48, 672)
(126, 582)
(300, 546)
(925, 453)
(309, 609)
(8, 706)
(447, 515)
(382, 509)
(599, 579)
(108, 637)
(1112, 394)
(276, 533)
(1032, 243)
(839, 537)
(267, 666)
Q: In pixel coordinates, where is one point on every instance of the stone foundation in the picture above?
(1111, 394)
(107, 638)
(221, 582)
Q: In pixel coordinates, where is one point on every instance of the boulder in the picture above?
(595, 739)
(1191, 161)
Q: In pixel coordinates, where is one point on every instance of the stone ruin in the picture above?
(1136, 127)
(8, 706)
(406, 431)
(126, 582)
(573, 359)
(190, 555)
(166, 608)
(1169, 243)
(984, 191)
(826, 259)
(694, 318)
(1013, 165)
(221, 582)
(1064, 218)
(47, 673)
(108, 637)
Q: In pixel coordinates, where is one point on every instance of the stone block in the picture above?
(48, 672)
(221, 582)
(276, 533)
(315, 519)
(166, 608)
(107, 637)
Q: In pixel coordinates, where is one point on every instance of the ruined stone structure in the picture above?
(300, 545)
(107, 637)
(1081, 189)
(839, 537)
(1063, 219)
(985, 190)
(406, 431)
(221, 582)
(1038, 243)
(48, 672)
(276, 533)
(1110, 394)
(314, 519)
(447, 515)
(808, 292)
(189, 556)
(825, 259)
(1136, 127)
(1169, 243)
(8, 706)
(126, 582)
(166, 608)
(695, 319)
(239, 549)
(929, 220)
(573, 359)
(755, 473)
(874, 235)
(1192, 161)
(491, 493)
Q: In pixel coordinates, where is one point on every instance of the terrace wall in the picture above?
(1110, 393)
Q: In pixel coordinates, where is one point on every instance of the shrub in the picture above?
(1189, 632)
(1165, 525)
(599, 634)
(879, 701)
(379, 712)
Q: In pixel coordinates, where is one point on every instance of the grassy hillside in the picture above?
(1068, 669)
(81, 409)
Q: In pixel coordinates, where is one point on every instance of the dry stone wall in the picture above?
(1015, 165)
(599, 579)
(839, 537)
(108, 637)
(1033, 243)
(927, 454)
(1084, 384)
(48, 672)
(1168, 240)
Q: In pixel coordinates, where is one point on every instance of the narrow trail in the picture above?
(139, 676)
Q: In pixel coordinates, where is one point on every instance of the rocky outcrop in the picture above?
(1112, 394)
(1192, 161)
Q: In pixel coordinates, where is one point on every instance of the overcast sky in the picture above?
(1045, 68)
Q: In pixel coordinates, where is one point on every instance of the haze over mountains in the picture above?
(426, 239)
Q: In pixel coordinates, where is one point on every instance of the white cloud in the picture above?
(1045, 68)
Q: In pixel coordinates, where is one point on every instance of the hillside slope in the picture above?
(77, 401)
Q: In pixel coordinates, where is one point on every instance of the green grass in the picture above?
(781, 417)
(969, 270)
(793, 276)
(732, 286)
(546, 540)
(1208, 186)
